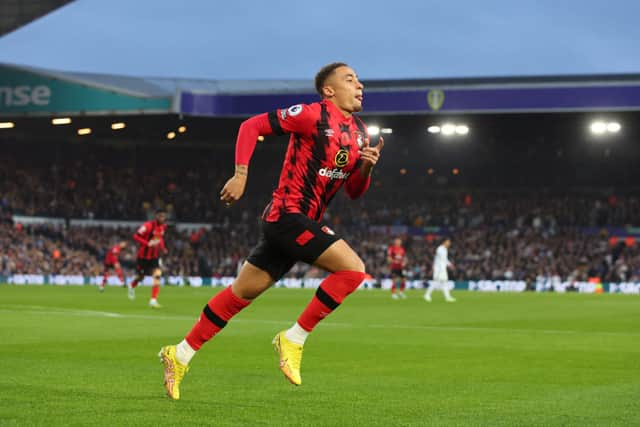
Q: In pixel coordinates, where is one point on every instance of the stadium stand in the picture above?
(497, 233)
(523, 196)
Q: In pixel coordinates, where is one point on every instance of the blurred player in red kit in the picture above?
(150, 238)
(328, 149)
(397, 258)
(111, 261)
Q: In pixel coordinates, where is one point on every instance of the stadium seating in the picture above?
(497, 234)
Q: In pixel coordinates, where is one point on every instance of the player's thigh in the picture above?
(302, 239)
(251, 281)
(140, 267)
(269, 258)
(339, 257)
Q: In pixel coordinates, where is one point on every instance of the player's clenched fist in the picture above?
(234, 188)
(371, 154)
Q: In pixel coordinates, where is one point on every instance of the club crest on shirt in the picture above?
(342, 158)
(328, 230)
(328, 132)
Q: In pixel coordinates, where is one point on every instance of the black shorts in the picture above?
(397, 272)
(147, 266)
(294, 237)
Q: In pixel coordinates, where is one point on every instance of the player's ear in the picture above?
(328, 91)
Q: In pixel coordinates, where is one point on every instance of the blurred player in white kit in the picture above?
(440, 276)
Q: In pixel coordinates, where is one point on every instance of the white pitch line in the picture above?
(90, 313)
(56, 310)
(34, 309)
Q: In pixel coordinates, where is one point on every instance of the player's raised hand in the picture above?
(371, 154)
(234, 187)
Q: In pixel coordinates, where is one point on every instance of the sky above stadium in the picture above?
(278, 39)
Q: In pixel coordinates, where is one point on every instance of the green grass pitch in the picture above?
(72, 356)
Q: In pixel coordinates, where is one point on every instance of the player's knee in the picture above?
(340, 257)
(355, 265)
(353, 262)
(358, 265)
(248, 292)
(251, 282)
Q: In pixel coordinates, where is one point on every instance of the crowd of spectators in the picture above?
(480, 253)
(108, 184)
(104, 183)
(57, 249)
(503, 233)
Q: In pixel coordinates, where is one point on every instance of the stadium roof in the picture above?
(17, 13)
(127, 94)
(158, 87)
(162, 86)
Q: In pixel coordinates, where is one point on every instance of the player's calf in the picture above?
(155, 289)
(332, 291)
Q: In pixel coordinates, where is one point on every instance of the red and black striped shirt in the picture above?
(321, 157)
(396, 256)
(147, 232)
(112, 255)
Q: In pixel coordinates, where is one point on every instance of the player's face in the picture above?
(397, 242)
(123, 245)
(161, 217)
(346, 89)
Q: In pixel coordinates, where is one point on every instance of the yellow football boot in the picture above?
(173, 371)
(290, 357)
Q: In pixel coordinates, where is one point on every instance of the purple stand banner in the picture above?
(467, 100)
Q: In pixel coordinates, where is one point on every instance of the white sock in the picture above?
(153, 301)
(184, 352)
(296, 334)
(429, 290)
(445, 289)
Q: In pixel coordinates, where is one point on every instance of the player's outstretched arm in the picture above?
(246, 142)
(298, 119)
(141, 240)
(234, 187)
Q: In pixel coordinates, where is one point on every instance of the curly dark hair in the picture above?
(324, 74)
